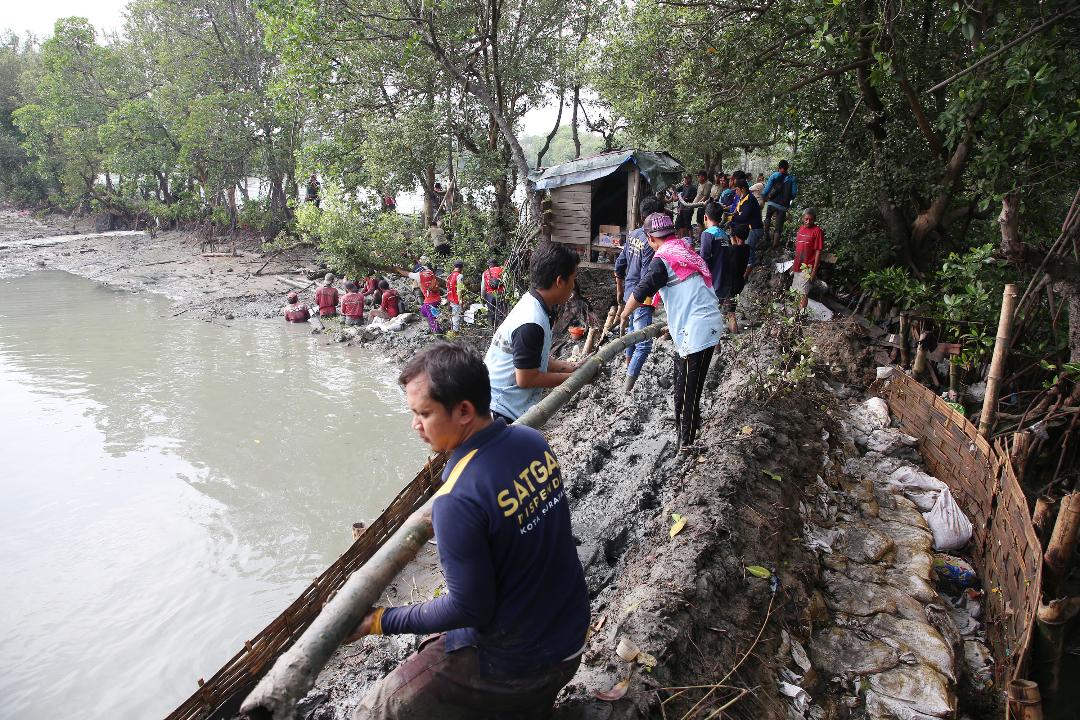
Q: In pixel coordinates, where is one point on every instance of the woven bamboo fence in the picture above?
(1006, 550)
(220, 696)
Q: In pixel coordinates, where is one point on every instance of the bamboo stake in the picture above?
(1051, 621)
(590, 341)
(295, 672)
(905, 358)
(1059, 549)
(997, 365)
(1025, 702)
(611, 316)
(1043, 517)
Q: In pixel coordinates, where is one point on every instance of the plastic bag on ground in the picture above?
(951, 528)
(871, 415)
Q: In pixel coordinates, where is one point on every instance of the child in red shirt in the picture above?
(809, 242)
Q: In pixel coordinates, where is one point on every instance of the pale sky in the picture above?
(39, 16)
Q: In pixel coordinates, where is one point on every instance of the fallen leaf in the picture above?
(680, 523)
(614, 693)
(759, 572)
(647, 661)
(747, 430)
(772, 475)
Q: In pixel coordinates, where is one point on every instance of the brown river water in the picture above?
(168, 486)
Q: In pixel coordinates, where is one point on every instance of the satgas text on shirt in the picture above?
(536, 489)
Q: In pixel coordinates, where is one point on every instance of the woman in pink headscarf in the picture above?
(683, 280)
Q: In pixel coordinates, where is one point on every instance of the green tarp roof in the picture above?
(659, 168)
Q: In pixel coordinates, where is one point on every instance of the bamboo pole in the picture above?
(1042, 519)
(1051, 619)
(905, 358)
(997, 365)
(294, 674)
(1062, 544)
(611, 317)
(1025, 702)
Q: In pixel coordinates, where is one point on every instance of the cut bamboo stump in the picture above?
(1062, 544)
(1051, 621)
(294, 674)
(905, 357)
(997, 365)
(1043, 517)
(1025, 702)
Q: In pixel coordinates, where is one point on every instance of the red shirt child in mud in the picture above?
(352, 305)
(809, 242)
(327, 297)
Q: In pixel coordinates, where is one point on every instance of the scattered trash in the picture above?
(800, 699)
(871, 415)
(615, 693)
(885, 372)
(951, 528)
(627, 649)
(954, 571)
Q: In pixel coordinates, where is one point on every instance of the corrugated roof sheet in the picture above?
(659, 168)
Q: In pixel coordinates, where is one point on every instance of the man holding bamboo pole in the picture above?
(516, 610)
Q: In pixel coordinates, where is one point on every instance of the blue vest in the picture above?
(506, 397)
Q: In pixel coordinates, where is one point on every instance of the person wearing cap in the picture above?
(293, 310)
(694, 321)
(634, 258)
(326, 297)
(455, 291)
(778, 192)
(512, 625)
(519, 358)
(425, 279)
(352, 304)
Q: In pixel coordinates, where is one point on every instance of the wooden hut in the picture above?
(593, 201)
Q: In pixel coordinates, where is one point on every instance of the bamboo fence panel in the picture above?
(220, 695)
(1007, 553)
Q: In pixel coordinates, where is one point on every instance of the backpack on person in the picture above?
(780, 193)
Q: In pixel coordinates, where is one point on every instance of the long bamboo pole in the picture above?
(997, 365)
(295, 672)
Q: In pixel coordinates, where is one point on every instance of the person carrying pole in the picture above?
(684, 282)
(635, 256)
(512, 624)
(519, 358)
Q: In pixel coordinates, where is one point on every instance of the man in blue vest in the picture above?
(778, 192)
(516, 610)
(519, 359)
(632, 261)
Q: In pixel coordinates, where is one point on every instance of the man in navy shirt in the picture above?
(629, 267)
(514, 618)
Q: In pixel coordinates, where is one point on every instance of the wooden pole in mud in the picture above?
(997, 365)
(295, 672)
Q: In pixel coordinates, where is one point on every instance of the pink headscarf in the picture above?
(683, 261)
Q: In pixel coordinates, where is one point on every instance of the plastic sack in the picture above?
(947, 521)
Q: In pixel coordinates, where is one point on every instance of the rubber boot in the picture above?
(628, 387)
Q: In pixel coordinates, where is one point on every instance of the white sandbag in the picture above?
(947, 521)
(885, 372)
(871, 415)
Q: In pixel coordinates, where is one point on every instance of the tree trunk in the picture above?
(574, 122)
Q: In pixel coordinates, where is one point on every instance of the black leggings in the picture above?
(690, 372)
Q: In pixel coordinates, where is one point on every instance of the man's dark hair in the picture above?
(383, 285)
(714, 212)
(782, 165)
(550, 261)
(742, 231)
(703, 174)
(742, 184)
(459, 264)
(455, 373)
(739, 175)
(492, 262)
(687, 177)
(648, 206)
